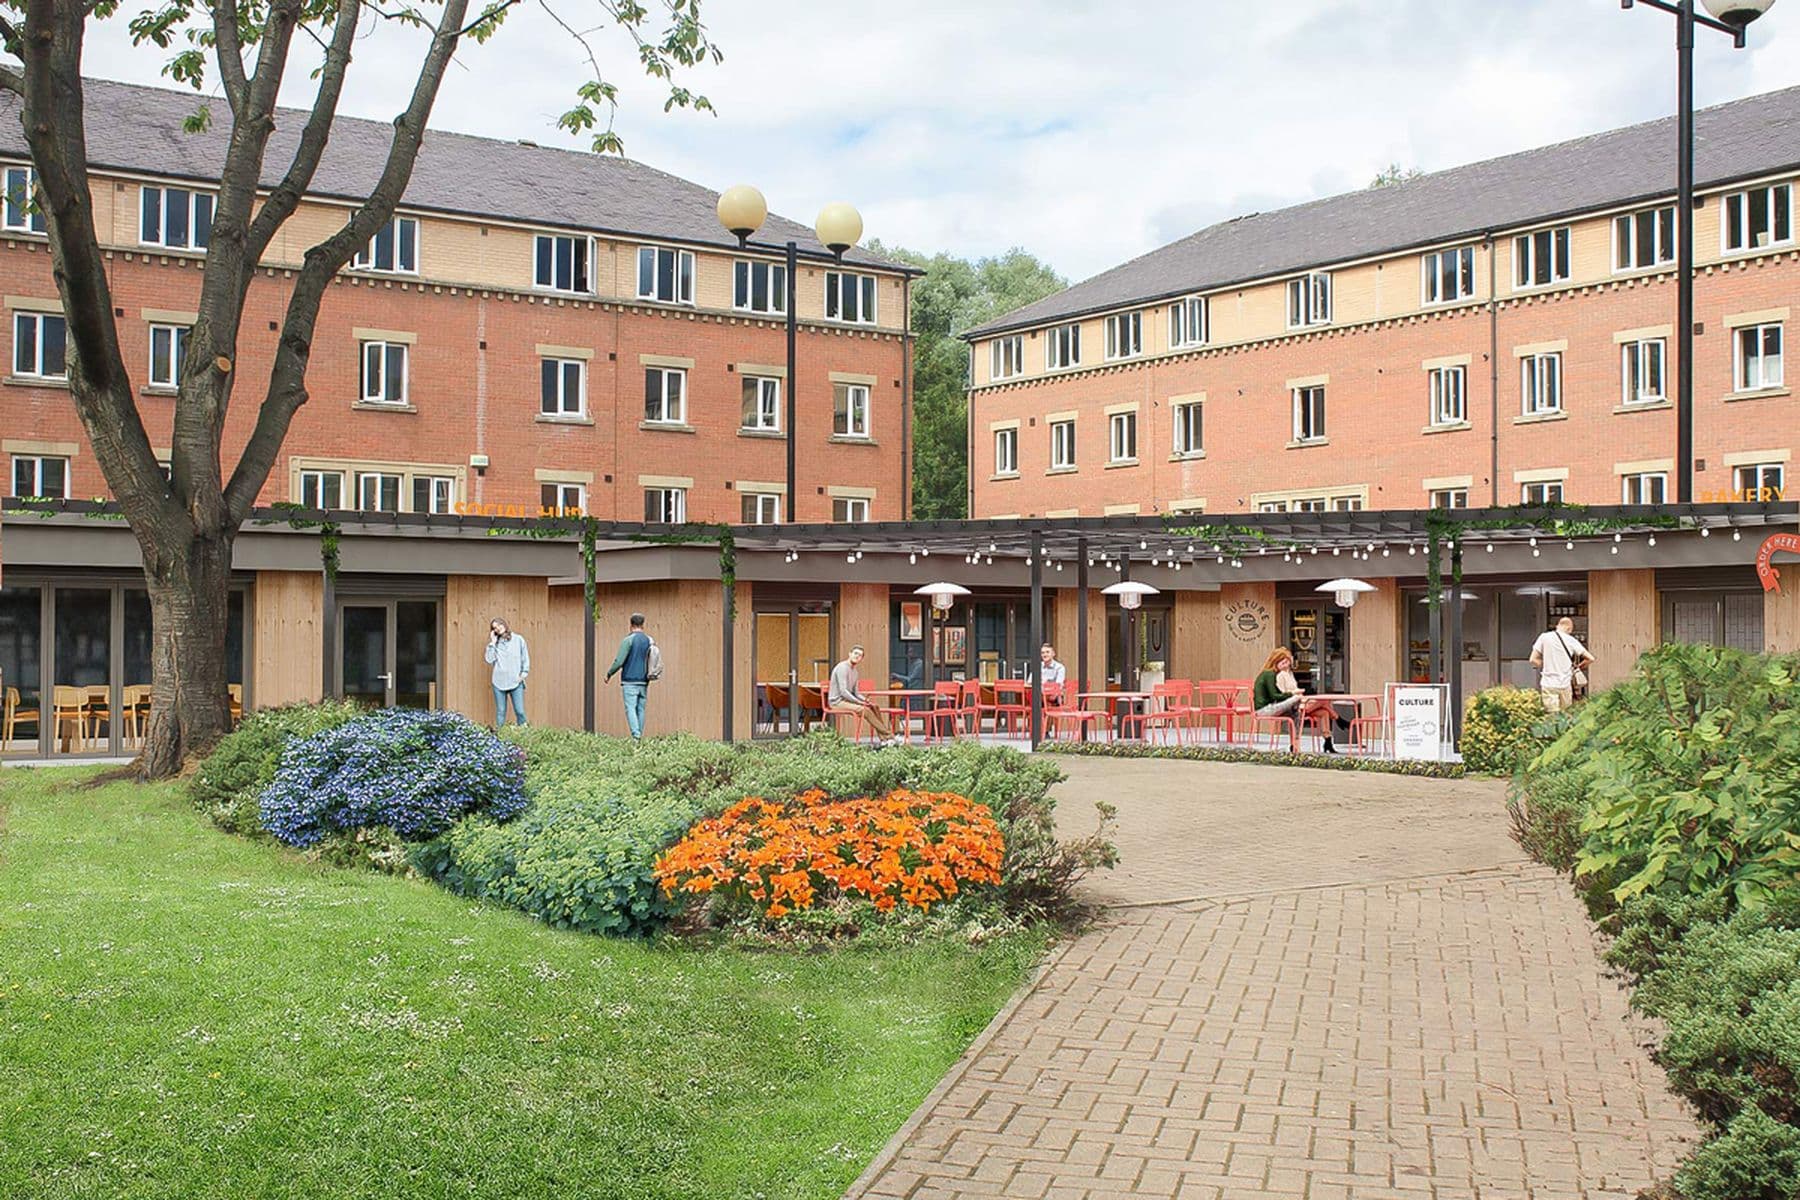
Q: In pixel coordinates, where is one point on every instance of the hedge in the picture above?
(1240, 754)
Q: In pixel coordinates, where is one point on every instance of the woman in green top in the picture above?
(1278, 694)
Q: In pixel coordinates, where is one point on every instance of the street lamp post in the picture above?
(1732, 17)
(742, 210)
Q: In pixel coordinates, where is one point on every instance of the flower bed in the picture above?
(1267, 758)
(915, 848)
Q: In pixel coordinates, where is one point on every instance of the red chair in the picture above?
(1061, 714)
(1012, 703)
(1222, 700)
(1361, 723)
(945, 718)
(972, 706)
(1274, 724)
(1170, 707)
(859, 718)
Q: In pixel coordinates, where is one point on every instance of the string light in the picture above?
(1653, 539)
(1535, 552)
(1737, 535)
(1704, 532)
(1490, 547)
(1569, 545)
(912, 559)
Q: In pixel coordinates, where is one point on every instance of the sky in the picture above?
(1085, 132)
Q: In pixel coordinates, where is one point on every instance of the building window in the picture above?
(1449, 389)
(177, 218)
(562, 387)
(665, 504)
(322, 489)
(1272, 506)
(1550, 492)
(665, 395)
(1644, 239)
(1450, 498)
(1641, 371)
(1644, 487)
(1123, 437)
(1449, 275)
(664, 275)
(759, 287)
(1188, 324)
(1309, 414)
(168, 351)
(1006, 451)
(1758, 217)
(1006, 357)
(377, 491)
(1758, 357)
(21, 211)
(563, 498)
(40, 345)
(1125, 335)
(40, 475)
(1062, 445)
(850, 297)
(562, 263)
(1309, 300)
(1760, 481)
(849, 509)
(1062, 347)
(394, 249)
(1540, 384)
(1346, 504)
(1541, 258)
(384, 372)
(849, 410)
(1188, 428)
(433, 493)
(762, 403)
(762, 508)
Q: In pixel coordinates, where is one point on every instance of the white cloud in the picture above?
(1088, 133)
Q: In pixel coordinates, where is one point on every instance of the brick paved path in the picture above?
(1312, 986)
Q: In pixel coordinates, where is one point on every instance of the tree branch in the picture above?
(231, 56)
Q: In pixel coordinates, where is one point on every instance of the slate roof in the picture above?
(139, 129)
(1742, 139)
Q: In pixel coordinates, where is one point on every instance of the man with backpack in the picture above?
(637, 663)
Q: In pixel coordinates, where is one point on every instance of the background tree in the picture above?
(1395, 173)
(186, 524)
(956, 294)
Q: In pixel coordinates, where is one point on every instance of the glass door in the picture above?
(793, 655)
(1319, 636)
(388, 653)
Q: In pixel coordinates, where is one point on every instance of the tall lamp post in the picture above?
(742, 210)
(1732, 17)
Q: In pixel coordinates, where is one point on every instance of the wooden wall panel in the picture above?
(863, 619)
(1375, 638)
(287, 637)
(685, 618)
(1064, 624)
(1623, 621)
(470, 602)
(1249, 617)
(559, 703)
(1781, 616)
(1196, 639)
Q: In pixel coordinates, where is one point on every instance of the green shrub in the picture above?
(1500, 729)
(229, 782)
(1755, 1158)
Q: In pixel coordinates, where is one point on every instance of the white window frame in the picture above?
(400, 261)
(1006, 357)
(765, 508)
(1062, 446)
(1644, 487)
(1456, 497)
(176, 337)
(743, 286)
(670, 275)
(1124, 335)
(1309, 300)
(1006, 451)
(671, 504)
(1528, 255)
(1188, 429)
(556, 397)
(1121, 437)
(1639, 360)
(194, 200)
(39, 322)
(1309, 413)
(1759, 481)
(1062, 346)
(1769, 369)
(850, 510)
(1540, 384)
(663, 404)
(440, 492)
(765, 413)
(18, 214)
(1447, 392)
(1777, 204)
(562, 496)
(850, 297)
(1190, 322)
(380, 480)
(1628, 239)
(37, 474)
(852, 411)
(1541, 491)
(382, 352)
(317, 478)
(581, 264)
(1461, 263)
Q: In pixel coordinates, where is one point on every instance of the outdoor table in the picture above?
(1114, 700)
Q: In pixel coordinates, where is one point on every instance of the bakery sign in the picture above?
(1765, 559)
(1247, 620)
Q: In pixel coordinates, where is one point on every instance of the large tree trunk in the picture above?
(189, 578)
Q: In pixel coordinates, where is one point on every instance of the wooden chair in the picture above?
(236, 692)
(776, 696)
(69, 716)
(812, 706)
(13, 714)
(99, 708)
(134, 711)
(1061, 714)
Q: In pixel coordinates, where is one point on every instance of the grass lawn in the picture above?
(185, 1014)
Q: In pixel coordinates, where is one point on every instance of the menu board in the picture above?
(1418, 722)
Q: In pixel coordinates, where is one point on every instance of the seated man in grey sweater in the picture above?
(846, 695)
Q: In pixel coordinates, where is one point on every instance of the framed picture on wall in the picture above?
(956, 645)
(912, 620)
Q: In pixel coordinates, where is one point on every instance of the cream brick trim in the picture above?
(54, 449)
(1542, 475)
(1762, 316)
(997, 426)
(384, 335)
(756, 487)
(1748, 457)
(1053, 418)
(666, 360)
(546, 476)
(1643, 465)
(1308, 381)
(163, 453)
(1187, 398)
(1060, 514)
(1129, 407)
(850, 493)
(1448, 360)
(1120, 510)
(369, 464)
(849, 377)
(1329, 494)
(1642, 335)
(170, 316)
(545, 350)
(666, 481)
(1190, 504)
(33, 304)
(1446, 482)
(1005, 517)
(1561, 346)
(763, 369)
